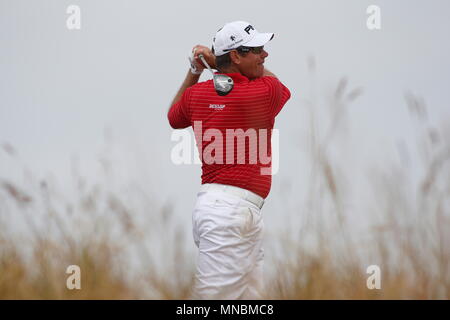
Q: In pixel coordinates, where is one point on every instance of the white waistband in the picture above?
(240, 192)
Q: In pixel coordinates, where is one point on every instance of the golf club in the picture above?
(222, 83)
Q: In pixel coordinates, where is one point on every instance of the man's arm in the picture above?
(268, 73)
(189, 81)
(191, 78)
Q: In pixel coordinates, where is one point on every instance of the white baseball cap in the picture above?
(238, 33)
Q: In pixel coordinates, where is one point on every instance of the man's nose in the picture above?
(265, 54)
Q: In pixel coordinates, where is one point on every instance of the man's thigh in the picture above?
(228, 232)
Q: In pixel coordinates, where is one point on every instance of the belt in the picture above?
(240, 192)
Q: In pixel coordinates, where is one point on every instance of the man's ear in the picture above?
(235, 57)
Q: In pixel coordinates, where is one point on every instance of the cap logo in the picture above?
(232, 38)
(248, 28)
(234, 44)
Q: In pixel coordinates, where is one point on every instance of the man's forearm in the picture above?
(189, 81)
(268, 73)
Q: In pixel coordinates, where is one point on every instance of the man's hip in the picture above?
(235, 191)
(228, 230)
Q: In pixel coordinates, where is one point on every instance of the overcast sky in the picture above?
(62, 91)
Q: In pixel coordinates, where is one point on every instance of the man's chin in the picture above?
(261, 74)
(257, 74)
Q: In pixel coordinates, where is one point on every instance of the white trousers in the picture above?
(228, 231)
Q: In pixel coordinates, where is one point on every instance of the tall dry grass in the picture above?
(408, 234)
(126, 245)
(41, 232)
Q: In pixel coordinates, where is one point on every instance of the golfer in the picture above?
(233, 131)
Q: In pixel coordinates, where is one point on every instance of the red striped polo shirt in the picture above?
(233, 132)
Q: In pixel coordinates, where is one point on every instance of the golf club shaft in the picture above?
(205, 63)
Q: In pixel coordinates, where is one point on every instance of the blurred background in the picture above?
(86, 176)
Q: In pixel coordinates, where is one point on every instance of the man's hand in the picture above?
(196, 68)
(196, 64)
(193, 77)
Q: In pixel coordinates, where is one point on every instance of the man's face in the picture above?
(252, 63)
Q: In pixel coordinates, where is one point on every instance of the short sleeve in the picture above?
(279, 94)
(178, 112)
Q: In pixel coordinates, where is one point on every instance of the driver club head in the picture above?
(223, 84)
